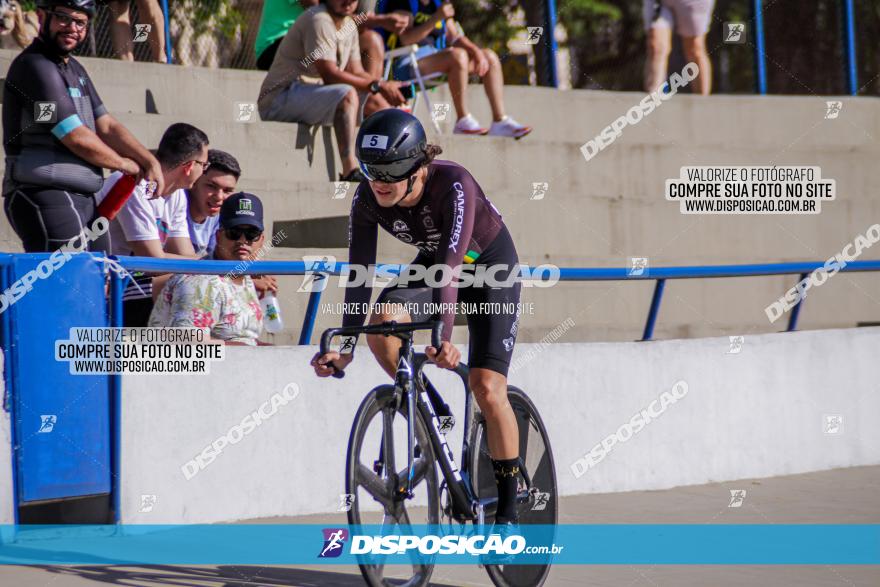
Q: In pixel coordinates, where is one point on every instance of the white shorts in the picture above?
(689, 18)
(312, 104)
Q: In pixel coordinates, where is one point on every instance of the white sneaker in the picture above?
(508, 127)
(468, 125)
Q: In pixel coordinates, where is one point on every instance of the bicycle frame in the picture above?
(408, 377)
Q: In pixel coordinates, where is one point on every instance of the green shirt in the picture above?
(277, 17)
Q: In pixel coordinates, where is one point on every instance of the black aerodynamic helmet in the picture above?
(391, 145)
(87, 6)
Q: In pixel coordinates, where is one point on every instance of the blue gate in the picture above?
(61, 422)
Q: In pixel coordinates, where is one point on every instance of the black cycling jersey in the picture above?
(44, 100)
(48, 190)
(452, 224)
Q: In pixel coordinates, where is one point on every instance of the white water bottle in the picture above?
(271, 313)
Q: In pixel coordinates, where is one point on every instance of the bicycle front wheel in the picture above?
(541, 504)
(376, 468)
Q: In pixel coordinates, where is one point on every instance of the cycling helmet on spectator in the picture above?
(87, 6)
(391, 146)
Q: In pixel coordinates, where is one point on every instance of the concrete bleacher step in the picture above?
(599, 212)
(579, 115)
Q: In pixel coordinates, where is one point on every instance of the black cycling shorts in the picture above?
(493, 326)
(46, 219)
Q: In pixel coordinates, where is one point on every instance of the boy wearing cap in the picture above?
(226, 304)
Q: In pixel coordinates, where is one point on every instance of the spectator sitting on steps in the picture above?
(226, 304)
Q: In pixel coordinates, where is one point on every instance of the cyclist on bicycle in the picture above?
(438, 207)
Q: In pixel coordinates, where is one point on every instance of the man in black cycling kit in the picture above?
(438, 207)
(58, 135)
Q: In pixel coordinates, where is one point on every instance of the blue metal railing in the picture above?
(849, 44)
(849, 47)
(658, 274)
(168, 58)
(760, 62)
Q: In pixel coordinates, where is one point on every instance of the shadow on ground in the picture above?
(221, 576)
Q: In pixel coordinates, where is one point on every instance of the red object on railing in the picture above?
(117, 197)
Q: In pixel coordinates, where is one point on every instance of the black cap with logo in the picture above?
(241, 209)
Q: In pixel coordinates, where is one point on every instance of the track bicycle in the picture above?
(383, 433)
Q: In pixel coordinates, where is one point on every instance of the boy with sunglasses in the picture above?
(226, 304)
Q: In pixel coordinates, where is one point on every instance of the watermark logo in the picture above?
(56, 260)
(737, 496)
(734, 33)
(641, 110)
(638, 266)
(346, 500)
(340, 189)
(548, 339)
(832, 109)
(318, 267)
(148, 502)
(474, 545)
(141, 32)
(539, 190)
(334, 540)
(750, 190)
(347, 344)
(736, 345)
(237, 432)
(47, 423)
(439, 112)
(447, 423)
(242, 266)
(327, 50)
(629, 429)
(832, 424)
(820, 275)
(45, 112)
(542, 499)
(245, 112)
(534, 34)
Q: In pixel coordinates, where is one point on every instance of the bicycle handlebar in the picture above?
(386, 329)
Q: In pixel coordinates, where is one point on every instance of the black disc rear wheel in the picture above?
(540, 504)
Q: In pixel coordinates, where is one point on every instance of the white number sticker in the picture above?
(374, 142)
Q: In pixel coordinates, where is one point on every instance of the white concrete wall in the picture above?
(754, 414)
(7, 515)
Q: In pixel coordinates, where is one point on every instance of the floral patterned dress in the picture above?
(231, 310)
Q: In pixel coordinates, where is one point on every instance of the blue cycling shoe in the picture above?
(504, 528)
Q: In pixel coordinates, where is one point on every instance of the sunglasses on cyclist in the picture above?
(79, 24)
(388, 172)
(250, 233)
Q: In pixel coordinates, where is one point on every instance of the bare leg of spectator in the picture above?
(372, 53)
(375, 102)
(149, 12)
(120, 30)
(659, 47)
(695, 51)
(454, 63)
(493, 83)
(344, 123)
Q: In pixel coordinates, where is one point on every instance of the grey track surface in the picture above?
(841, 496)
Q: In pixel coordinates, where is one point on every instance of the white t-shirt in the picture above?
(142, 219)
(202, 235)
